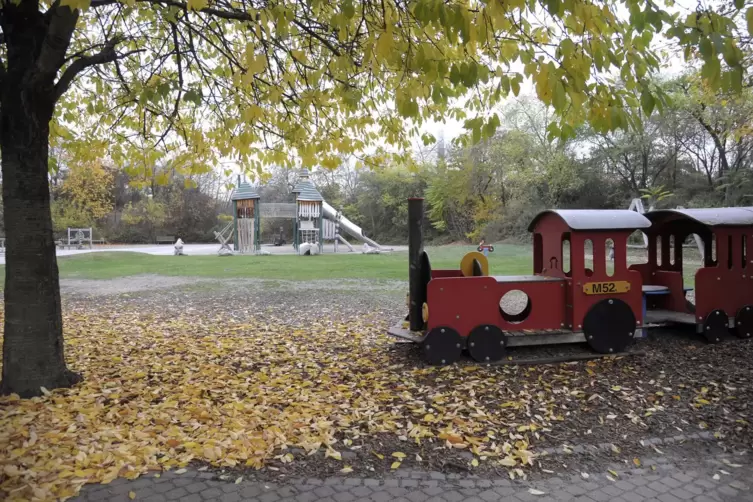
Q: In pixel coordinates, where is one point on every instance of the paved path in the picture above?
(667, 483)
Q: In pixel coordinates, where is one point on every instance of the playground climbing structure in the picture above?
(245, 219)
(315, 221)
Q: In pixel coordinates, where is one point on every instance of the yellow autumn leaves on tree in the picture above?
(288, 81)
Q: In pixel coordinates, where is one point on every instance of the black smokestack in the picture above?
(417, 290)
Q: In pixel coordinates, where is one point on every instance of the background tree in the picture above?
(148, 213)
(88, 188)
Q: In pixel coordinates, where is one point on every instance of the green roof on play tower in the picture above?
(244, 191)
(305, 189)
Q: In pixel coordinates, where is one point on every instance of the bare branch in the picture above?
(314, 34)
(224, 14)
(108, 54)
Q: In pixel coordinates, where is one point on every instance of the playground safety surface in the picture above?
(670, 380)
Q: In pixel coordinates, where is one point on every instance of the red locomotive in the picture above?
(568, 301)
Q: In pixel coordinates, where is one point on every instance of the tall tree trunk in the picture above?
(33, 344)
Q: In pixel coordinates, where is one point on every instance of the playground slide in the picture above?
(348, 226)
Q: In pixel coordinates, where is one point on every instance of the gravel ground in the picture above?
(678, 388)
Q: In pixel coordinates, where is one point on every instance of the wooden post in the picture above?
(235, 226)
(321, 228)
(337, 229)
(295, 226)
(415, 249)
(257, 225)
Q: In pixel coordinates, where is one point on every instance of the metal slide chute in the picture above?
(347, 226)
(342, 239)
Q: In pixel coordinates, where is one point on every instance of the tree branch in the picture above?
(224, 14)
(314, 34)
(59, 32)
(106, 55)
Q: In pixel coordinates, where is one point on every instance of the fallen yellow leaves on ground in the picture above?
(158, 395)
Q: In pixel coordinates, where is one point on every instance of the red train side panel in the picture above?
(727, 286)
(464, 303)
(582, 302)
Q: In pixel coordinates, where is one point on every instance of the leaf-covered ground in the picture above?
(265, 381)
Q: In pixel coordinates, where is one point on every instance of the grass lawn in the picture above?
(506, 259)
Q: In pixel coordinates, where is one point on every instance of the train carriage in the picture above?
(723, 284)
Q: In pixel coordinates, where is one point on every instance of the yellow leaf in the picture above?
(613, 473)
(346, 470)
(197, 4)
(395, 465)
(452, 438)
(474, 462)
(399, 454)
(378, 455)
(76, 4)
(384, 45)
(509, 461)
(131, 495)
(257, 64)
(637, 462)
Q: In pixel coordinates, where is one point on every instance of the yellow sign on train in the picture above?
(606, 288)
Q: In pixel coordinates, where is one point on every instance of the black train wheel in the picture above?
(744, 322)
(442, 345)
(716, 326)
(487, 343)
(609, 326)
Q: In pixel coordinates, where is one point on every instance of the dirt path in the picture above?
(151, 282)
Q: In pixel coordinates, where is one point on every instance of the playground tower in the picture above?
(245, 218)
(309, 214)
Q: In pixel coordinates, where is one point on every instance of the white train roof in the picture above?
(596, 219)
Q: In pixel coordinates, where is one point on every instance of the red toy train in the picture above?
(604, 306)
